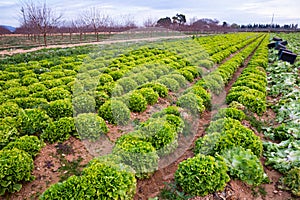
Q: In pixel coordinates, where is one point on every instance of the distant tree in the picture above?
(165, 22)
(128, 21)
(80, 26)
(149, 22)
(39, 17)
(95, 19)
(225, 24)
(235, 26)
(179, 18)
(206, 23)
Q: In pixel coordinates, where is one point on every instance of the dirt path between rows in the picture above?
(17, 51)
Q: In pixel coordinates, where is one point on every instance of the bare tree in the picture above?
(79, 25)
(96, 20)
(128, 21)
(149, 22)
(39, 17)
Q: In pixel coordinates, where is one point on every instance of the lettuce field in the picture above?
(197, 117)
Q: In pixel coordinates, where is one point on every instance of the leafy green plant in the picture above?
(212, 82)
(187, 74)
(60, 108)
(244, 165)
(137, 153)
(137, 102)
(115, 112)
(281, 132)
(150, 96)
(202, 175)
(100, 98)
(27, 80)
(170, 83)
(282, 156)
(67, 79)
(9, 109)
(36, 87)
(191, 102)
(227, 133)
(230, 113)
(255, 123)
(8, 133)
(161, 134)
(253, 103)
(53, 83)
(140, 79)
(59, 131)
(206, 63)
(32, 121)
(116, 75)
(127, 84)
(291, 181)
(83, 103)
(201, 92)
(90, 126)
(179, 78)
(175, 121)
(111, 89)
(101, 180)
(56, 94)
(149, 75)
(15, 92)
(30, 144)
(30, 102)
(236, 105)
(161, 90)
(15, 166)
(257, 85)
(196, 71)
(121, 183)
(170, 110)
(105, 78)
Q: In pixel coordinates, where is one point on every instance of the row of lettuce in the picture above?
(283, 150)
(228, 149)
(141, 149)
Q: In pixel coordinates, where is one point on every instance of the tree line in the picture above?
(40, 20)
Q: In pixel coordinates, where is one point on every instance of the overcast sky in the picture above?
(231, 11)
